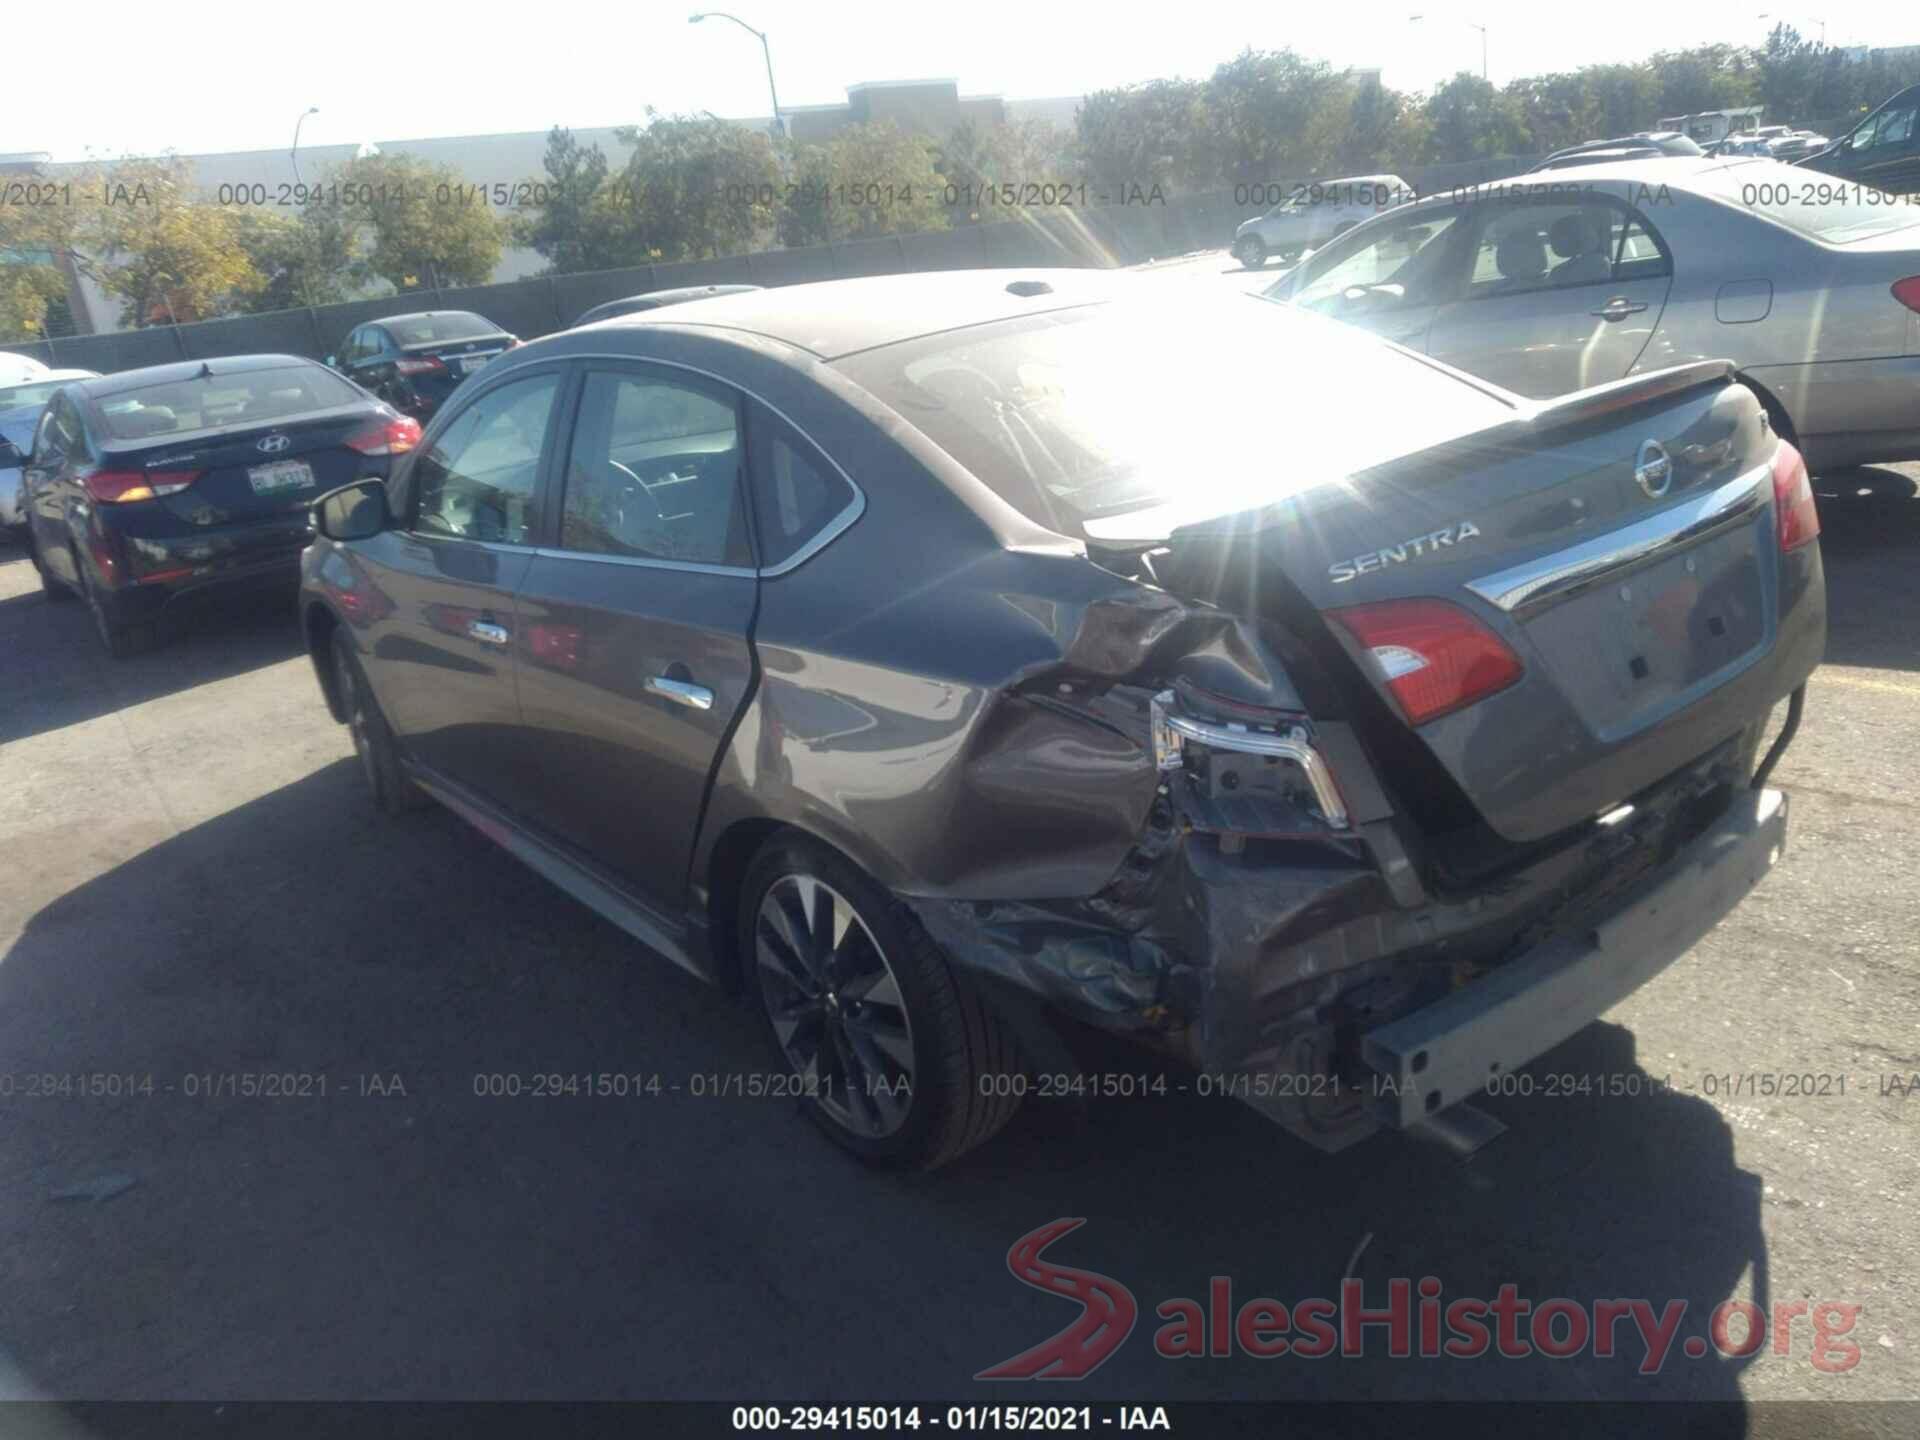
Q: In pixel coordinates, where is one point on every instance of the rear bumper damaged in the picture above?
(1295, 979)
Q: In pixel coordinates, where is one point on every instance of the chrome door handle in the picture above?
(694, 697)
(487, 631)
(1618, 308)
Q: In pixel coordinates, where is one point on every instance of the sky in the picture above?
(488, 67)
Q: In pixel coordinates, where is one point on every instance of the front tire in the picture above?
(1250, 251)
(373, 743)
(898, 1063)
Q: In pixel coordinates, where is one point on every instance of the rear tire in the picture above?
(900, 1063)
(51, 585)
(123, 640)
(1250, 251)
(373, 743)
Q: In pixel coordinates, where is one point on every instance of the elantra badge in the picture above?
(1342, 571)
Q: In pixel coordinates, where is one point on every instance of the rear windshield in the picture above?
(1836, 212)
(428, 329)
(249, 397)
(1117, 422)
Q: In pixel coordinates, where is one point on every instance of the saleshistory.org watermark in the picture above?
(1413, 1318)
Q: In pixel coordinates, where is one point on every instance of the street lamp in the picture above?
(1483, 40)
(1815, 18)
(294, 154)
(760, 35)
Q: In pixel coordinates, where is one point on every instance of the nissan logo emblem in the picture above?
(274, 444)
(1653, 469)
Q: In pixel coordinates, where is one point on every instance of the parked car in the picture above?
(1643, 145)
(21, 402)
(15, 368)
(923, 654)
(1313, 214)
(654, 299)
(1797, 146)
(152, 486)
(1883, 150)
(1812, 296)
(414, 362)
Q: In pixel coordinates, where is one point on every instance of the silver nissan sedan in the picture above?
(1547, 285)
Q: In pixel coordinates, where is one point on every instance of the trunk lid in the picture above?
(259, 471)
(1634, 608)
(460, 357)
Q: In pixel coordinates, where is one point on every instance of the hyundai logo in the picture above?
(272, 445)
(1653, 469)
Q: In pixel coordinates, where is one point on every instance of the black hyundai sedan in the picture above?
(943, 660)
(153, 485)
(414, 362)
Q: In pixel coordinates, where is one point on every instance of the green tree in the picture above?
(579, 226)
(165, 254)
(35, 240)
(426, 229)
(693, 189)
(1146, 135)
(1471, 120)
(1271, 115)
(310, 259)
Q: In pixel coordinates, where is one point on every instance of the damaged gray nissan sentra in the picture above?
(952, 660)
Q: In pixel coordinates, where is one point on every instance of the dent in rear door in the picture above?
(1553, 297)
(634, 629)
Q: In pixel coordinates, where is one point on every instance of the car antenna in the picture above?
(206, 370)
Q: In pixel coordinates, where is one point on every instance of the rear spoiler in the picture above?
(1616, 395)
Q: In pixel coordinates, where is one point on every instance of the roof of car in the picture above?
(421, 315)
(836, 318)
(50, 375)
(124, 380)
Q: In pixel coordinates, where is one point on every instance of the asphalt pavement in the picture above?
(195, 890)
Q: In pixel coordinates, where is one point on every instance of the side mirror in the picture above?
(332, 362)
(353, 512)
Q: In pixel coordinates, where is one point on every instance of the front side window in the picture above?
(653, 472)
(1395, 264)
(477, 481)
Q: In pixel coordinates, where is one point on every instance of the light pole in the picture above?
(294, 154)
(765, 51)
(1781, 19)
(1483, 41)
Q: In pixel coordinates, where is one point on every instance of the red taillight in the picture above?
(1793, 507)
(120, 487)
(1907, 292)
(386, 437)
(1434, 656)
(425, 365)
(515, 343)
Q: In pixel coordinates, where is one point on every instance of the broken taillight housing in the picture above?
(1180, 737)
(1433, 656)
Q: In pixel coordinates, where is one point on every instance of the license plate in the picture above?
(471, 363)
(280, 475)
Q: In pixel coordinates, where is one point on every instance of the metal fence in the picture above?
(1106, 235)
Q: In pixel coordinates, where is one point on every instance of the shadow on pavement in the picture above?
(54, 675)
(1870, 540)
(388, 1229)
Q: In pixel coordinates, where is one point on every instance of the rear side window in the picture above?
(209, 402)
(797, 495)
(653, 472)
(477, 482)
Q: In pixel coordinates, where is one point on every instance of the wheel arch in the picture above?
(1777, 415)
(317, 624)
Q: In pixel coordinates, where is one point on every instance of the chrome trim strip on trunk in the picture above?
(1540, 582)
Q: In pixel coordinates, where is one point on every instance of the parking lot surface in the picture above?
(193, 886)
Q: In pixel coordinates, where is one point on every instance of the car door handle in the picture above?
(694, 697)
(1618, 308)
(487, 631)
